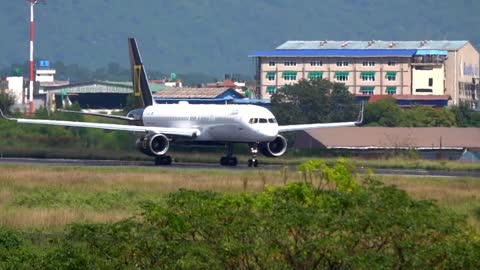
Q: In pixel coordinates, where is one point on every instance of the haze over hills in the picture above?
(216, 36)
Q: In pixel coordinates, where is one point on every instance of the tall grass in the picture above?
(48, 197)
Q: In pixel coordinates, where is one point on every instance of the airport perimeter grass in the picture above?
(47, 198)
(213, 156)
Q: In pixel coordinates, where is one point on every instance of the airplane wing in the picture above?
(323, 125)
(313, 126)
(184, 132)
(112, 116)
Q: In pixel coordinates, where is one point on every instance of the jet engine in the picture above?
(155, 144)
(274, 148)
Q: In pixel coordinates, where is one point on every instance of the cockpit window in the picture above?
(262, 120)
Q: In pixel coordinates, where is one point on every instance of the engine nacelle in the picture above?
(274, 148)
(155, 144)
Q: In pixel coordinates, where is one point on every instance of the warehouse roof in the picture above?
(335, 53)
(92, 87)
(187, 93)
(449, 45)
(389, 138)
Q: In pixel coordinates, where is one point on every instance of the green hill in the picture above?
(212, 36)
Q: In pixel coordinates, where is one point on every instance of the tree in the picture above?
(383, 113)
(424, 116)
(315, 101)
(387, 113)
(465, 116)
(6, 101)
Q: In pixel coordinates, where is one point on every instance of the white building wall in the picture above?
(428, 79)
(15, 86)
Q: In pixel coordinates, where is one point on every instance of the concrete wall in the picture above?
(460, 68)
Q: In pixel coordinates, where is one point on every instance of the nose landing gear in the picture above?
(254, 150)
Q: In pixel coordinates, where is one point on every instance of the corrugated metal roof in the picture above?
(191, 92)
(449, 45)
(431, 52)
(335, 53)
(384, 137)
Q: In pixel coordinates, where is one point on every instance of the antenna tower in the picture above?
(32, 74)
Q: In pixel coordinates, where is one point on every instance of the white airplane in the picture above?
(160, 125)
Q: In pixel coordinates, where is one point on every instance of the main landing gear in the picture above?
(163, 160)
(254, 150)
(228, 159)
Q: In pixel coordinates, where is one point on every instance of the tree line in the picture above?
(319, 101)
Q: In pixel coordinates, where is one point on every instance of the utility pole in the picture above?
(31, 109)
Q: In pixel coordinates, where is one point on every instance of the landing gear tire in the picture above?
(163, 160)
(252, 162)
(254, 150)
(228, 161)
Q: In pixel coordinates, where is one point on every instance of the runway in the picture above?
(207, 166)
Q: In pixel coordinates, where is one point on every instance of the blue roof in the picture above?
(335, 52)
(431, 52)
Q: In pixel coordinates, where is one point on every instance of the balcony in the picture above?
(424, 60)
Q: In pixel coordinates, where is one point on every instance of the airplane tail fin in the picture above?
(141, 90)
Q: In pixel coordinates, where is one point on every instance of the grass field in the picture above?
(47, 198)
(212, 155)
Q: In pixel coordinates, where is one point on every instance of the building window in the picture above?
(342, 63)
(316, 63)
(289, 75)
(271, 76)
(271, 90)
(430, 82)
(391, 90)
(368, 63)
(391, 76)
(392, 63)
(367, 90)
(290, 63)
(423, 90)
(367, 76)
(341, 76)
(315, 75)
(271, 63)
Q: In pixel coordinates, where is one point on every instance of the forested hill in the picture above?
(216, 36)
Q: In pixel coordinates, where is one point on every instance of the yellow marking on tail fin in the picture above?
(137, 72)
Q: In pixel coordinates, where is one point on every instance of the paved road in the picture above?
(196, 166)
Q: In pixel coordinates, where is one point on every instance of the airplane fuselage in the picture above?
(223, 123)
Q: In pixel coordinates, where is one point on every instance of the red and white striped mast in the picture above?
(32, 66)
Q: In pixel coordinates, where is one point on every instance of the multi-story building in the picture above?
(374, 67)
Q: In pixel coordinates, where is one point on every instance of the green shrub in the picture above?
(340, 223)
